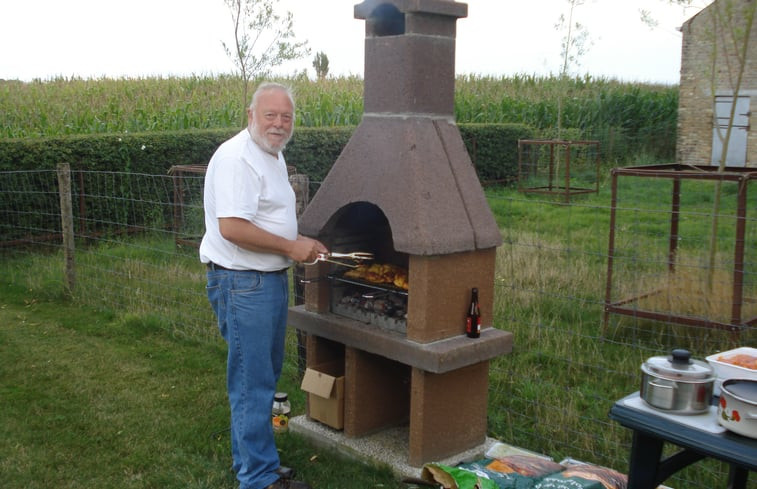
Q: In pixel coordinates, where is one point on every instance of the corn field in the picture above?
(593, 108)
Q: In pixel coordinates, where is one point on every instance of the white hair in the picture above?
(271, 86)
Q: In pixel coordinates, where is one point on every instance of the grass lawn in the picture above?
(136, 397)
(90, 400)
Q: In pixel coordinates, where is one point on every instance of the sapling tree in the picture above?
(728, 35)
(731, 28)
(263, 40)
(573, 45)
(321, 65)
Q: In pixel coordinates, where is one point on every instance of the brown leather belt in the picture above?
(215, 266)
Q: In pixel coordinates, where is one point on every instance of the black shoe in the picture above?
(285, 472)
(288, 484)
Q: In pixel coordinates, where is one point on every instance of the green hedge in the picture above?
(151, 153)
(112, 194)
(492, 147)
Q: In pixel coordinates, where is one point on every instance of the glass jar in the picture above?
(280, 412)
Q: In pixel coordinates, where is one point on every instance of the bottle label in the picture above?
(280, 423)
(473, 319)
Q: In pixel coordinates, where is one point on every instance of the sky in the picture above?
(45, 39)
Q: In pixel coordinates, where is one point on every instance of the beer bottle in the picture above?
(473, 318)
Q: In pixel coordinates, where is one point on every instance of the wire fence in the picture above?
(579, 322)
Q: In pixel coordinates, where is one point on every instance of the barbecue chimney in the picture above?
(407, 156)
(405, 189)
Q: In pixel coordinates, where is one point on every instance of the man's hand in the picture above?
(306, 249)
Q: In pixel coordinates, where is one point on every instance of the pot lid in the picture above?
(679, 365)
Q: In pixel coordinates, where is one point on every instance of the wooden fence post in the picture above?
(67, 224)
(301, 186)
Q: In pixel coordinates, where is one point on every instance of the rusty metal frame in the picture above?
(178, 172)
(552, 187)
(677, 173)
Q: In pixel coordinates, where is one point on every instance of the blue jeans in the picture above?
(251, 308)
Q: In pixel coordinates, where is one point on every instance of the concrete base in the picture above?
(387, 447)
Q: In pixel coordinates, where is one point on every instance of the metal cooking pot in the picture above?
(737, 409)
(677, 383)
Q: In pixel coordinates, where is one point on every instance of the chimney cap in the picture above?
(449, 8)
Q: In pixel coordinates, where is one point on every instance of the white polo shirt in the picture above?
(244, 181)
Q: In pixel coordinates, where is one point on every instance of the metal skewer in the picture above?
(356, 256)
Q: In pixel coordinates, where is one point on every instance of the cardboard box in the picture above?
(324, 384)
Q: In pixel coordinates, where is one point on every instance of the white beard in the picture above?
(263, 142)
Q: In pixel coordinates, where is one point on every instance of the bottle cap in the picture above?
(280, 397)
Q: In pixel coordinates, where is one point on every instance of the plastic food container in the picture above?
(725, 370)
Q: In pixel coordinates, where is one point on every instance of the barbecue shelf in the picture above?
(436, 357)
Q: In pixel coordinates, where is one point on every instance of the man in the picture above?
(250, 241)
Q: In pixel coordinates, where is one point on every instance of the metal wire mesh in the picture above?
(568, 366)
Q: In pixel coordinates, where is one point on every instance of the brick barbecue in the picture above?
(405, 189)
